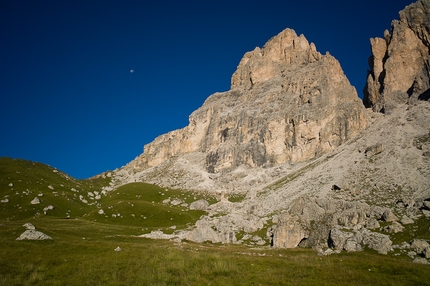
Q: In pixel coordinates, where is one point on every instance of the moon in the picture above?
(131, 71)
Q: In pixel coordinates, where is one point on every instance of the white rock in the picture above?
(101, 211)
(33, 235)
(176, 202)
(29, 226)
(35, 201)
(199, 205)
(118, 249)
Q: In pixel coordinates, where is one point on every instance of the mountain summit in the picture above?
(287, 103)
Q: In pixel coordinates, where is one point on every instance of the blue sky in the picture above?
(68, 98)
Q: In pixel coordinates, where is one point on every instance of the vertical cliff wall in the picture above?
(287, 103)
(399, 64)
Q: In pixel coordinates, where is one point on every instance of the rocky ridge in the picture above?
(399, 65)
(318, 169)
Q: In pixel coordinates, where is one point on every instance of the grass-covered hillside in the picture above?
(87, 224)
(32, 191)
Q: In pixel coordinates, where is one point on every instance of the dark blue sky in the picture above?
(68, 98)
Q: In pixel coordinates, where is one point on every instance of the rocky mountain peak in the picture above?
(281, 53)
(399, 65)
(288, 104)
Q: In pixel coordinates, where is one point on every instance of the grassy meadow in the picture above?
(82, 249)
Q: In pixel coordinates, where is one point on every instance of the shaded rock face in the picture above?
(287, 103)
(399, 65)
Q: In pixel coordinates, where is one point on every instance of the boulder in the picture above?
(389, 216)
(374, 149)
(35, 201)
(29, 226)
(199, 205)
(33, 235)
(203, 232)
(338, 238)
(419, 245)
(377, 241)
(406, 220)
(394, 227)
(352, 245)
(289, 232)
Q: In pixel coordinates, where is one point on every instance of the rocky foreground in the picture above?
(315, 166)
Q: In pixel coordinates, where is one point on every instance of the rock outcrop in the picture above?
(322, 223)
(288, 103)
(32, 234)
(399, 65)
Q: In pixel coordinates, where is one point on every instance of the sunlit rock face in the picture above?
(287, 103)
(399, 64)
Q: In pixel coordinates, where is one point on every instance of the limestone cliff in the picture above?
(287, 103)
(399, 65)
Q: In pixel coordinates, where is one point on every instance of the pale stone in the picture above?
(419, 245)
(389, 216)
(35, 201)
(199, 205)
(33, 235)
(29, 226)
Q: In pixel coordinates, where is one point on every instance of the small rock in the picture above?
(389, 216)
(29, 226)
(372, 223)
(406, 220)
(35, 201)
(176, 202)
(101, 212)
(395, 227)
(411, 254)
(118, 249)
(199, 205)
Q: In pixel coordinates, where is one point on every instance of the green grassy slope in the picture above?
(136, 204)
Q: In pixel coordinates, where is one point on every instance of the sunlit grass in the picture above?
(82, 253)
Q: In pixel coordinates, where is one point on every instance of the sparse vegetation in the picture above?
(82, 249)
